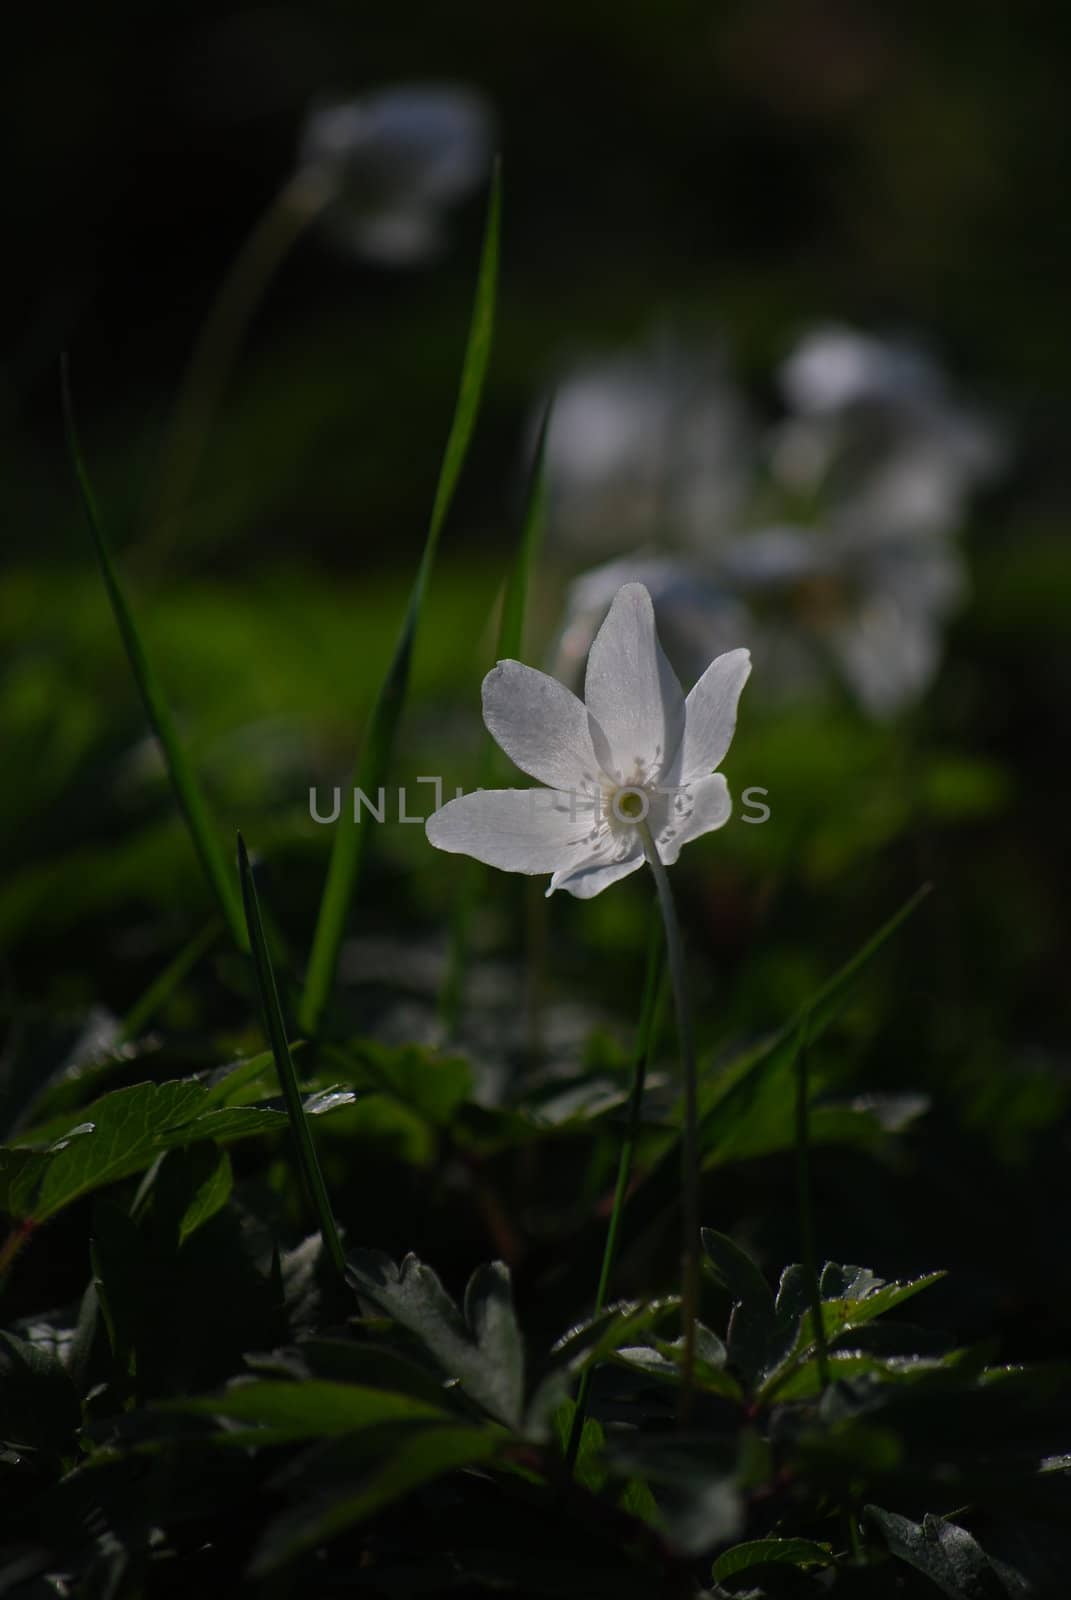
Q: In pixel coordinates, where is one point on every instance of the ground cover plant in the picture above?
(375, 1220)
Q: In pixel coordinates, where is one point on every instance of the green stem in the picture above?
(646, 1036)
(298, 203)
(806, 1205)
(308, 1161)
(691, 1246)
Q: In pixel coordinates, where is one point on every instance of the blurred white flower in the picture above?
(876, 440)
(855, 500)
(628, 769)
(873, 609)
(395, 161)
(648, 443)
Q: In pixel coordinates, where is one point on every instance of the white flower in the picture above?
(634, 752)
(646, 443)
(395, 161)
(875, 431)
(873, 608)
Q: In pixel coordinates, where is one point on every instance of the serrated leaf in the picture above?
(120, 1134)
(867, 1298)
(771, 1552)
(942, 1552)
(485, 1355)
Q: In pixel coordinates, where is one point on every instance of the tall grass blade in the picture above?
(183, 779)
(509, 646)
(370, 770)
(308, 1162)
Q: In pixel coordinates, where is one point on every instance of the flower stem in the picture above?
(806, 1206)
(690, 1253)
(647, 1033)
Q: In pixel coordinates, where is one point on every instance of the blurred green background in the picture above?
(748, 169)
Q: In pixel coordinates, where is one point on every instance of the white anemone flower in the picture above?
(395, 161)
(627, 770)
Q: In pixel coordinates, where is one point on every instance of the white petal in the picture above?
(694, 809)
(632, 693)
(519, 830)
(597, 873)
(710, 716)
(541, 725)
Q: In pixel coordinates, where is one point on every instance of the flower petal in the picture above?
(710, 716)
(680, 815)
(541, 725)
(597, 873)
(519, 830)
(633, 698)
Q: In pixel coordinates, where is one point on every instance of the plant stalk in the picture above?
(691, 1244)
(646, 1036)
(308, 1161)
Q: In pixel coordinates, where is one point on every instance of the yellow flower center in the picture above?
(630, 805)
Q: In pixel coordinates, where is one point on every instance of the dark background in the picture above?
(748, 167)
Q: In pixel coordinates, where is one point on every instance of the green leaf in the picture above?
(183, 778)
(118, 1135)
(583, 1347)
(419, 1457)
(367, 1362)
(483, 1349)
(210, 1181)
(589, 1465)
(423, 1080)
(865, 1299)
(753, 1322)
(942, 1552)
(38, 1404)
(277, 1412)
(371, 768)
(771, 1552)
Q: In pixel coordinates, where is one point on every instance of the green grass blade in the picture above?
(308, 1162)
(162, 987)
(350, 840)
(183, 779)
(659, 1187)
(509, 646)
